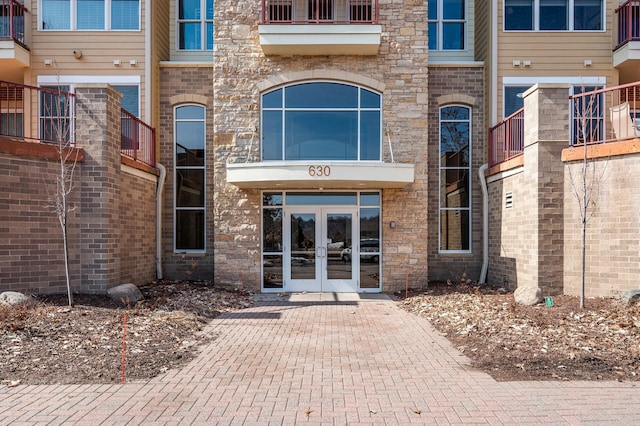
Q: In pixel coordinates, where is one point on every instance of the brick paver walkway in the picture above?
(330, 359)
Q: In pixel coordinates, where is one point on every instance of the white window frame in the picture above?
(570, 17)
(73, 12)
(469, 168)
(359, 109)
(440, 21)
(203, 21)
(203, 167)
(73, 80)
(70, 114)
(572, 81)
(115, 80)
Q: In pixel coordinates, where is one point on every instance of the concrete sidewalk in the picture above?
(324, 359)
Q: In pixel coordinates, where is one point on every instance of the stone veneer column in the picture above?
(98, 133)
(546, 124)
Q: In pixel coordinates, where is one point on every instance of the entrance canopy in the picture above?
(327, 175)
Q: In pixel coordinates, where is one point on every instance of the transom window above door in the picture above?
(321, 121)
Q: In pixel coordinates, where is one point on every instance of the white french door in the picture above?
(318, 244)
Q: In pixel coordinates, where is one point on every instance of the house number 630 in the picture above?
(318, 171)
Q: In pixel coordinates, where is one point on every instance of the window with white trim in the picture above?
(56, 114)
(513, 99)
(588, 115)
(189, 174)
(588, 126)
(130, 98)
(93, 15)
(455, 179)
(195, 24)
(321, 121)
(447, 24)
(554, 15)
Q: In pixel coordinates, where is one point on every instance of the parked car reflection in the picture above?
(369, 251)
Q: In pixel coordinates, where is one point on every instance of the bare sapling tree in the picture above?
(57, 125)
(585, 183)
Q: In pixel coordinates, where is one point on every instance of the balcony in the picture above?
(14, 53)
(320, 27)
(138, 139)
(626, 55)
(506, 139)
(604, 121)
(48, 117)
(606, 115)
(36, 114)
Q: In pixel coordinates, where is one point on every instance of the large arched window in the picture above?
(455, 178)
(189, 134)
(321, 121)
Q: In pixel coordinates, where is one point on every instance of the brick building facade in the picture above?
(112, 222)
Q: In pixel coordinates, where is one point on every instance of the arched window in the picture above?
(189, 136)
(321, 121)
(455, 178)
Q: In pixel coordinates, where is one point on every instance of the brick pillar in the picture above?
(98, 133)
(546, 123)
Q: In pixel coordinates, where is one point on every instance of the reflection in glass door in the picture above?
(302, 262)
(320, 245)
(338, 238)
(321, 241)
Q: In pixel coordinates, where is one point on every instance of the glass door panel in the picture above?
(370, 248)
(303, 246)
(338, 238)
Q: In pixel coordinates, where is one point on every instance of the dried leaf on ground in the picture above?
(47, 343)
(516, 342)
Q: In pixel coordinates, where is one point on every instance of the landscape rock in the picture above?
(127, 294)
(12, 298)
(528, 295)
(630, 297)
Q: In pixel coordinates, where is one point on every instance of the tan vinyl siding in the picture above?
(99, 50)
(554, 54)
(482, 30)
(161, 27)
(482, 52)
(160, 51)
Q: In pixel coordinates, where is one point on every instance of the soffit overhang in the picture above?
(320, 175)
(320, 39)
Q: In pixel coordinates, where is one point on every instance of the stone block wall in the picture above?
(531, 243)
(546, 120)
(613, 230)
(242, 71)
(507, 226)
(185, 84)
(537, 241)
